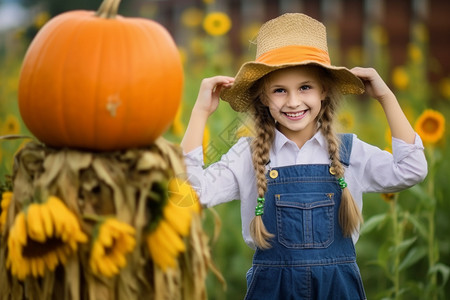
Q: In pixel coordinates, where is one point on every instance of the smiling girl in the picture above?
(300, 183)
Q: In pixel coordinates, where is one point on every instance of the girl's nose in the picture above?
(293, 101)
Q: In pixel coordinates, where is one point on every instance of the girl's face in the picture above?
(294, 97)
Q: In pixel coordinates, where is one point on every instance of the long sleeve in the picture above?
(380, 171)
(221, 181)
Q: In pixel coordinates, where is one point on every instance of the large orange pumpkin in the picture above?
(100, 81)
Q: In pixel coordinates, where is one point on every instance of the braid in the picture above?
(349, 214)
(265, 132)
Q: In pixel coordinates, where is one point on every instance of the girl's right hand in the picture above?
(208, 95)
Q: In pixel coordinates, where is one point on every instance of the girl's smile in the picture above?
(296, 115)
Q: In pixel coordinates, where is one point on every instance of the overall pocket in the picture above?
(305, 220)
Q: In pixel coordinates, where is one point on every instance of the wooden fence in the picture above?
(350, 18)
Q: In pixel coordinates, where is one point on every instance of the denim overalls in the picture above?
(309, 258)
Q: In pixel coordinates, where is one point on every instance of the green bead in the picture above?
(342, 183)
(259, 209)
(259, 212)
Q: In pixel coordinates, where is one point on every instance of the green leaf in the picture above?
(372, 223)
(404, 245)
(419, 191)
(414, 255)
(417, 225)
(383, 258)
(443, 269)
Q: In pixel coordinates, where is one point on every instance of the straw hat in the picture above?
(290, 40)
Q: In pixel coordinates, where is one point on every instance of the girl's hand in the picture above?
(208, 96)
(374, 84)
(378, 89)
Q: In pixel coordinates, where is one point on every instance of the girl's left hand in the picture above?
(374, 84)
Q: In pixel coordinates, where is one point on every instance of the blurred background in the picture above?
(404, 249)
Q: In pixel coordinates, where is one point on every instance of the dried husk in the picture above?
(105, 184)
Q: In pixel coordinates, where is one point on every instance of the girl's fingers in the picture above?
(218, 80)
(364, 73)
(374, 84)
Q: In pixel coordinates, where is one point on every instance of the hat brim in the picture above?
(239, 98)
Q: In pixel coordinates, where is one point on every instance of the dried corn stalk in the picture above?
(123, 185)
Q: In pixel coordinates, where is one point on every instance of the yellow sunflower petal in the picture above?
(35, 224)
(6, 200)
(61, 253)
(167, 235)
(7, 195)
(57, 213)
(104, 236)
(20, 228)
(178, 217)
(129, 243)
(107, 267)
(120, 226)
(51, 261)
(47, 220)
(160, 257)
(40, 266)
(118, 258)
(34, 267)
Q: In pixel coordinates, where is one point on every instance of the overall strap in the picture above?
(346, 148)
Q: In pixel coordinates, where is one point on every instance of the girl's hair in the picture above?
(349, 213)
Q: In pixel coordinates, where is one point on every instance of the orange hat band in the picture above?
(292, 54)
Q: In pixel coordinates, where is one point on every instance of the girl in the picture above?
(300, 184)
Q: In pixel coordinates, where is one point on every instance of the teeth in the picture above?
(294, 115)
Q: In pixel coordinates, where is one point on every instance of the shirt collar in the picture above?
(281, 140)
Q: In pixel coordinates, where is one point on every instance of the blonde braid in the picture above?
(265, 132)
(349, 214)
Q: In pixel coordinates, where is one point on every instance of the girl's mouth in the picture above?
(295, 115)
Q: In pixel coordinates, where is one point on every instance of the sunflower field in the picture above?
(404, 249)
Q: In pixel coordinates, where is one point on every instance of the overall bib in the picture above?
(309, 258)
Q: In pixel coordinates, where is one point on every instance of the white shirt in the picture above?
(370, 170)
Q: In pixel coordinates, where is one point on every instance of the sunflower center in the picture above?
(38, 249)
(217, 23)
(110, 250)
(430, 125)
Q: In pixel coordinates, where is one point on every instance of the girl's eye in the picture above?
(305, 87)
(279, 90)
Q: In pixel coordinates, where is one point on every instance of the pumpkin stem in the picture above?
(108, 9)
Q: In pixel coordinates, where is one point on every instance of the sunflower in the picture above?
(41, 19)
(42, 236)
(388, 197)
(206, 140)
(192, 17)
(444, 87)
(217, 23)
(4, 205)
(346, 120)
(430, 126)
(249, 33)
(400, 78)
(166, 242)
(379, 35)
(388, 136)
(11, 125)
(244, 131)
(114, 239)
(177, 124)
(415, 53)
(183, 55)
